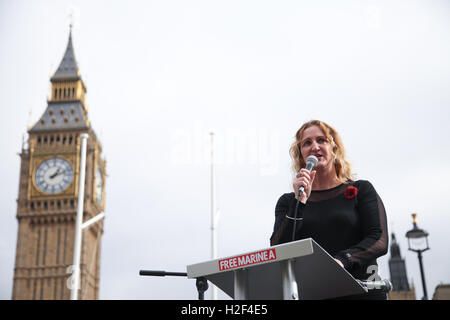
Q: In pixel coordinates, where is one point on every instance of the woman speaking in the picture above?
(345, 217)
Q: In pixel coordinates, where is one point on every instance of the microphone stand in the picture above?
(295, 214)
(201, 282)
(290, 286)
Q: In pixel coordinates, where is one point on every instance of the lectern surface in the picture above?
(318, 274)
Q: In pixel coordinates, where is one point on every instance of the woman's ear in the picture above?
(335, 147)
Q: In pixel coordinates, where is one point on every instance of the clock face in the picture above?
(99, 186)
(54, 175)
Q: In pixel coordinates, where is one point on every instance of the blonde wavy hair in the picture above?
(341, 164)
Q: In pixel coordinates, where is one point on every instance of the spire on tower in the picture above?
(395, 248)
(68, 68)
(397, 267)
(66, 108)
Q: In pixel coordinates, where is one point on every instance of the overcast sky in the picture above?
(162, 74)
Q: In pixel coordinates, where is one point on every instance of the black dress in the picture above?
(351, 228)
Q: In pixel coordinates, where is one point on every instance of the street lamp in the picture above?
(418, 242)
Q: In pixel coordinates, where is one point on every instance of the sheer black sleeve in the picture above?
(282, 229)
(374, 241)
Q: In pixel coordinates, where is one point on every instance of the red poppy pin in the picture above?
(351, 192)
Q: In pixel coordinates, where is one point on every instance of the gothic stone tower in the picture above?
(399, 279)
(48, 193)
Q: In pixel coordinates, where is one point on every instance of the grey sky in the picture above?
(162, 74)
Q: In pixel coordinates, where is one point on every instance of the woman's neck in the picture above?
(325, 179)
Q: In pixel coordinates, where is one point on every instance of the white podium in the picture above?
(290, 271)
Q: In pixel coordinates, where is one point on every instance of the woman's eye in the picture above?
(306, 143)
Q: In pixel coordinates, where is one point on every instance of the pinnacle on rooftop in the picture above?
(68, 68)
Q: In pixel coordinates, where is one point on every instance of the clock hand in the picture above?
(55, 174)
(62, 172)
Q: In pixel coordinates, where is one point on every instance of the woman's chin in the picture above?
(321, 166)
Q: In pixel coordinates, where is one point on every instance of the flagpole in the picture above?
(79, 220)
(213, 213)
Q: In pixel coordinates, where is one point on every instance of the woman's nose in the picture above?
(315, 146)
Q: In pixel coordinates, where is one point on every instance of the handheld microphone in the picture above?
(311, 162)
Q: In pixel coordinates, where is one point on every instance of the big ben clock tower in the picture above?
(48, 194)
